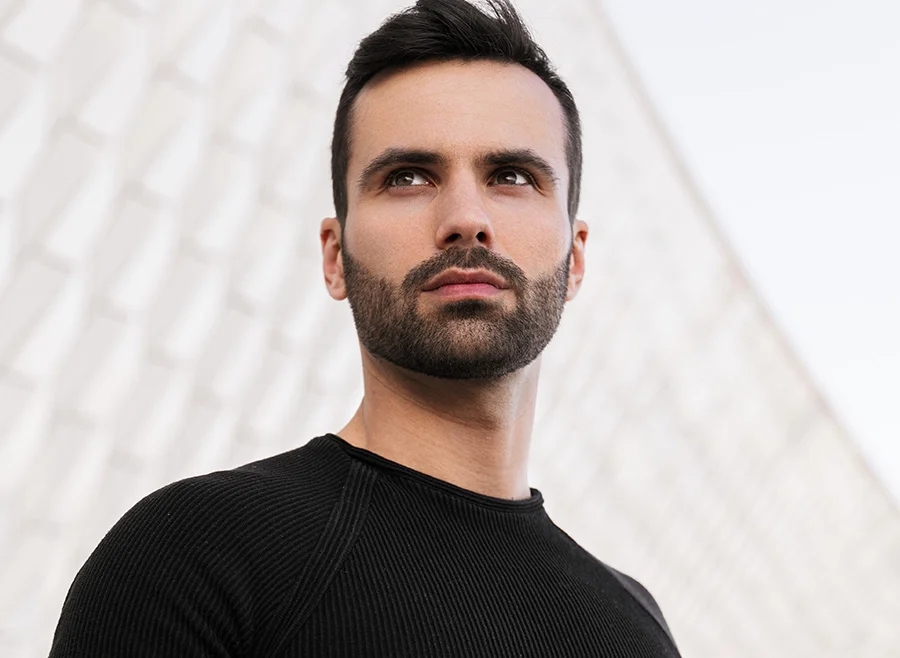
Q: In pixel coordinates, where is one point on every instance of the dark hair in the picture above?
(444, 30)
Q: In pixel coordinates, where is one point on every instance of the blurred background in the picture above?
(718, 414)
(787, 114)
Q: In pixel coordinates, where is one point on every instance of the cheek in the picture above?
(538, 246)
(385, 243)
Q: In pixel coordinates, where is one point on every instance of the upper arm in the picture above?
(163, 582)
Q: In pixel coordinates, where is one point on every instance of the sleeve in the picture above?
(163, 582)
(643, 596)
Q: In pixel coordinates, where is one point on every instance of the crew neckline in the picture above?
(533, 503)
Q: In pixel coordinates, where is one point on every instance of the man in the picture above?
(456, 165)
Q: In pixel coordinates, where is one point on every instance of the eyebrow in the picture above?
(398, 156)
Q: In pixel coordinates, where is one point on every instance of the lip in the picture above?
(463, 290)
(464, 278)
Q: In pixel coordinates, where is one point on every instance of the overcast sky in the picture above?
(787, 113)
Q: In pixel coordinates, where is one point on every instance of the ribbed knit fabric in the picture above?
(329, 550)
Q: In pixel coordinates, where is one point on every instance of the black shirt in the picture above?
(330, 550)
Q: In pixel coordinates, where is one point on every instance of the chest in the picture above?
(449, 594)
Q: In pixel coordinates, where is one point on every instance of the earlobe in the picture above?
(576, 259)
(332, 260)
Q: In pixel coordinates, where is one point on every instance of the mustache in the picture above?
(461, 258)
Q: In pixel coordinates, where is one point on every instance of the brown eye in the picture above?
(406, 178)
(511, 177)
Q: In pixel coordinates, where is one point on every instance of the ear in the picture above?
(576, 259)
(332, 262)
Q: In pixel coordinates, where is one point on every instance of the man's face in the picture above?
(457, 246)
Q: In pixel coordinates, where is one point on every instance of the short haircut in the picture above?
(447, 30)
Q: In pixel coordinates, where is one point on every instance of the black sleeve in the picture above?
(163, 582)
(643, 597)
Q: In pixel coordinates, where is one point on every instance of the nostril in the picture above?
(454, 237)
(482, 236)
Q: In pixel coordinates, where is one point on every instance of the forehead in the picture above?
(458, 108)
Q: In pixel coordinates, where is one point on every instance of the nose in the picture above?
(463, 219)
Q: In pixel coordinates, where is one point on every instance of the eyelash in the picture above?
(390, 178)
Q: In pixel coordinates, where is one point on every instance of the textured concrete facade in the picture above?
(163, 170)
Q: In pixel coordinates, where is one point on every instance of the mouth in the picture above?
(465, 283)
(459, 290)
(463, 278)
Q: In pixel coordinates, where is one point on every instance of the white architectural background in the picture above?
(163, 169)
(788, 115)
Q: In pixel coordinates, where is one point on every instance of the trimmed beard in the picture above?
(465, 339)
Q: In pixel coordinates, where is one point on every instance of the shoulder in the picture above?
(643, 596)
(303, 480)
(632, 588)
(293, 490)
(205, 560)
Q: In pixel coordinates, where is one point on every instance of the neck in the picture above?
(474, 434)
